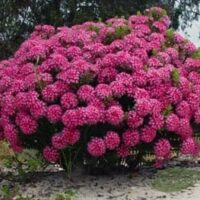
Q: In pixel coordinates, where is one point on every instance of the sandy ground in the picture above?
(44, 186)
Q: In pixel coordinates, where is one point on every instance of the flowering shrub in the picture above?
(102, 93)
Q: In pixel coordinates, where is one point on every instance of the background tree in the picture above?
(18, 18)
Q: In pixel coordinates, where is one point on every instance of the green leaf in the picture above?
(94, 28)
(175, 76)
(196, 54)
(167, 110)
(170, 34)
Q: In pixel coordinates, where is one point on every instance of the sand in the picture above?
(45, 185)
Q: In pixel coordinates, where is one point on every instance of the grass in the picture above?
(4, 151)
(68, 195)
(175, 179)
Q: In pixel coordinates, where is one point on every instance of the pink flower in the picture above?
(71, 118)
(140, 93)
(193, 101)
(178, 38)
(134, 120)
(71, 136)
(10, 134)
(130, 138)
(183, 109)
(189, 146)
(118, 89)
(96, 147)
(172, 122)
(50, 154)
(69, 100)
(112, 140)
(54, 113)
(190, 48)
(58, 141)
(103, 91)
(92, 115)
(162, 148)
(50, 93)
(160, 26)
(140, 78)
(114, 115)
(197, 116)
(27, 124)
(123, 151)
(38, 110)
(159, 163)
(172, 53)
(107, 75)
(69, 76)
(185, 86)
(142, 107)
(174, 95)
(148, 134)
(185, 130)
(156, 121)
(86, 93)
(16, 148)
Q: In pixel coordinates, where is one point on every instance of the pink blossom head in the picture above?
(69, 100)
(86, 93)
(118, 88)
(71, 136)
(134, 120)
(197, 116)
(174, 95)
(51, 154)
(148, 134)
(185, 130)
(162, 148)
(27, 124)
(92, 115)
(54, 113)
(70, 76)
(156, 121)
(50, 93)
(130, 138)
(189, 146)
(123, 151)
(71, 118)
(114, 115)
(38, 110)
(112, 140)
(143, 107)
(96, 147)
(183, 109)
(172, 122)
(58, 141)
(103, 91)
(10, 134)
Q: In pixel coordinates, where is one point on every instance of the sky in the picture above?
(193, 33)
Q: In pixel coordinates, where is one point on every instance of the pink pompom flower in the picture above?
(112, 140)
(131, 138)
(54, 113)
(96, 147)
(51, 154)
(162, 148)
(114, 115)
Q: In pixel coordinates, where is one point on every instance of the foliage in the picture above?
(68, 195)
(21, 164)
(175, 179)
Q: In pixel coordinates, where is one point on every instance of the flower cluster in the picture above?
(104, 87)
